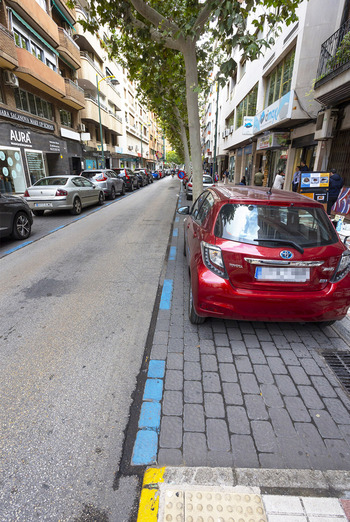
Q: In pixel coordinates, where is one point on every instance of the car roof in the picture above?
(95, 170)
(262, 195)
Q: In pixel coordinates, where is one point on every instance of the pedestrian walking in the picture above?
(336, 183)
(258, 178)
(216, 177)
(303, 166)
(296, 179)
(279, 180)
(225, 177)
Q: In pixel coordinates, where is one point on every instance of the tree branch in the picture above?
(154, 16)
(204, 16)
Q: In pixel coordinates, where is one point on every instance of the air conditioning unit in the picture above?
(223, 134)
(10, 79)
(130, 147)
(325, 124)
(232, 128)
(81, 127)
(227, 132)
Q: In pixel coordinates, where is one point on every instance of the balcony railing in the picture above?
(335, 55)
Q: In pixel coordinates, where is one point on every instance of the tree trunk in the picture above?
(189, 53)
(183, 137)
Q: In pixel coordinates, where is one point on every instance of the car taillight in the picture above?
(127, 177)
(102, 177)
(26, 194)
(61, 192)
(343, 267)
(189, 184)
(212, 258)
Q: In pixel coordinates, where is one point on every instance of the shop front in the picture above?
(27, 155)
(274, 149)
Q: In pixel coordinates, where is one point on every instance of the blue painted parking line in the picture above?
(55, 229)
(175, 232)
(172, 254)
(167, 292)
(18, 247)
(156, 369)
(153, 390)
(145, 449)
(150, 416)
(177, 220)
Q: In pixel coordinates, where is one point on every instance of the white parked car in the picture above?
(207, 182)
(62, 193)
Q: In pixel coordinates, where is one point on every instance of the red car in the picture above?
(257, 254)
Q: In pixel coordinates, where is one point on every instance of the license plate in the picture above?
(42, 204)
(282, 274)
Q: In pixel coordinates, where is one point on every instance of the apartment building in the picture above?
(267, 111)
(39, 99)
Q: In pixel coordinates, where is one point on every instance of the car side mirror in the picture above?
(183, 210)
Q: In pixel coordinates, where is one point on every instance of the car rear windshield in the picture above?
(46, 182)
(257, 224)
(89, 173)
(207, 179)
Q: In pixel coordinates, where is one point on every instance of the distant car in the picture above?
(63, 193)
(207, 182)
(15, 217)
(130, 179)
(147, 174)
(107, 180)
(155, 174)
(257, 255)
(142, 176)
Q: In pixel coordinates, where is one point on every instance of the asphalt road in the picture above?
(75, 308)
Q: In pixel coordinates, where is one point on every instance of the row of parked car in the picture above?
(66, 192)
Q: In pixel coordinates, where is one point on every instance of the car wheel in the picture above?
(21, 226)
(122, 192)
(138, 185)
(101, 198)
(76, 207)
(194, 318)
(38, 212)
(188, 196)
(112, 193)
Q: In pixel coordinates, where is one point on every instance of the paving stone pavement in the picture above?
(243, 394)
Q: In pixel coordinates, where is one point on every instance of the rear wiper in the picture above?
(284, 242)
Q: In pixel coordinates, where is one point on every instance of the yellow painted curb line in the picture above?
(149, 500)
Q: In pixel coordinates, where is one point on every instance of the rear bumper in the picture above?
(49, 205)
(216, 297)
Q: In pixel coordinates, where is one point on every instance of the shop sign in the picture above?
(274, 113)
(248, 125)
(272, 140)
(18, 137)
(314, 180)
(29, 120)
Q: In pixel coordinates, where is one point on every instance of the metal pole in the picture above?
(216, 129)
(163, 150)
(141, 146)
(99, 115)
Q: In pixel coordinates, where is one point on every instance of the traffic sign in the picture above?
(181, 174)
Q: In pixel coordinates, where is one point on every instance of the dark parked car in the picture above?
(107, 180)
(257, 255)
(15, 217)
(142, 177)
(130, 179)
(146, 174)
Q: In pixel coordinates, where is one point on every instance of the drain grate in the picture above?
(340, 364)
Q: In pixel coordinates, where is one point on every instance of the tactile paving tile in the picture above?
(212, 505)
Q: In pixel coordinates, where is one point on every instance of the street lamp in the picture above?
(99, 113)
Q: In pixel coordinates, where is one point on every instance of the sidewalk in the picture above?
(258, 401)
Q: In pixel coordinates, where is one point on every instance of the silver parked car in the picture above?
(61, 193)
(107, 180)
(207, 182)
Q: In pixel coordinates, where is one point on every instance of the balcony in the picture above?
(87, 73)
(36, 73)
(90, 112)
(74, 95)
(38, 18)
(8, 52)
(68, 49)
(333, 75)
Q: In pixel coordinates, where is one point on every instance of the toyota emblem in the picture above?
(286, 254)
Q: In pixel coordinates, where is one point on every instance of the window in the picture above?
(26, 101)
(21, 40)
(230, 120)
(51, 65)
(197, 205)
(12, 178)
(66, 118)
(247, 107)
(307, 227)
(36, 51)
(280, 80)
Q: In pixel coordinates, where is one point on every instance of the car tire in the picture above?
(101, 198)
(138, 186)
(194, 318)
(76, 210)
(112, 192)
(122, 192)
(188, 196)
(21, 226)
(38, 212)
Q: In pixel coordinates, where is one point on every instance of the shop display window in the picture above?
(12, 178)
(36, 165)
